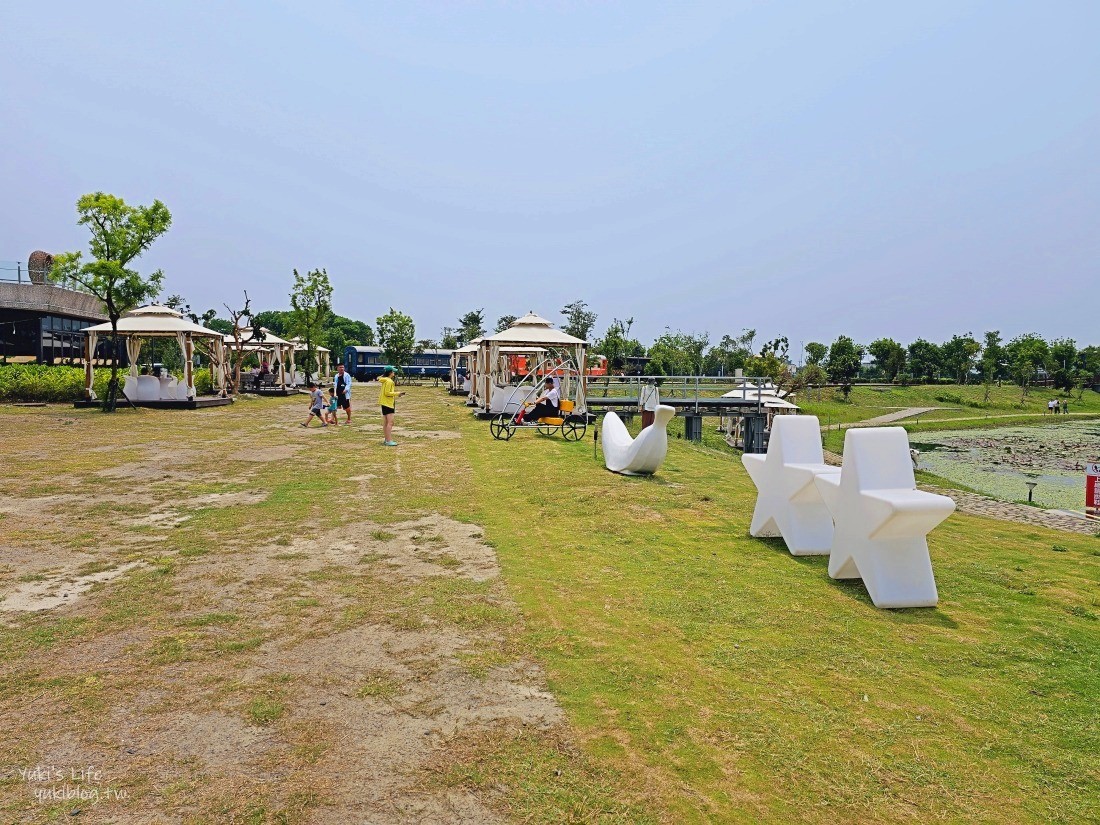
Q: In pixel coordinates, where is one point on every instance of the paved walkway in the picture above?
(890, 418)
(978, 505)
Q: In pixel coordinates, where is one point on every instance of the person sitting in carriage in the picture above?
(546, 406)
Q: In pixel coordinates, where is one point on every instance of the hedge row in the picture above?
(39, 382)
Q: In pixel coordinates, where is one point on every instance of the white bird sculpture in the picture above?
(636, 456)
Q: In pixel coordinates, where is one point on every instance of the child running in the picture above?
(332, 407)
(316, 406)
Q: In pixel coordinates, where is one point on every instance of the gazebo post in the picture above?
(282, 370)
(189, 365)
(89, 366)
(293, 365)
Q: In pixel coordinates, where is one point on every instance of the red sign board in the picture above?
(1092, 488)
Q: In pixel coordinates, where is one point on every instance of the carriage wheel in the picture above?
(574, 430)
(501, 427)
(546, 429)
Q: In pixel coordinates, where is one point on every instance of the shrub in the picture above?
(42, 382)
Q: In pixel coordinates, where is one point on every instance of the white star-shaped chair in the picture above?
(883, 520)
(788, 503)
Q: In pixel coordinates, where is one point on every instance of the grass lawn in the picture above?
(342, 608)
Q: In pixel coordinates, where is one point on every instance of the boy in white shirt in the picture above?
(546, 406)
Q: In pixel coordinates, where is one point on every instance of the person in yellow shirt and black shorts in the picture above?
(388, 399)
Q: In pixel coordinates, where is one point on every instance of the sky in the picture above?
(807, 169)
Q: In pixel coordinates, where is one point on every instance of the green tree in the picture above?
(845, 358)
(1063, 362)
(448, 340)
(505, 321)
(924, 359)
(616, 345)
(279, 321)
(579, 322)
(397, 337)
(816, 352)
(772, 363)
(311, 309)
(677, 353)
(1027, 354)
(889, 355)
(992, 363)
(959, 355)
(120, 234)
(471, 325)
(730, 354)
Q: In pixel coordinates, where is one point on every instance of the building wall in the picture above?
(48, 299)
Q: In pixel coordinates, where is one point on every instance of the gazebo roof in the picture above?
(152, 321)
(270, 339)
(300, 346)
(533, 329)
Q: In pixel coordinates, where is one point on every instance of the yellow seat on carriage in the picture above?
(556, 421)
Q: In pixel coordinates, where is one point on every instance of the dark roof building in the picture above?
(40, 321)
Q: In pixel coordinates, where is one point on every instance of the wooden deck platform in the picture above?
(193, 404)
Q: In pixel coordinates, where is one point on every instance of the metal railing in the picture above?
(14, 271)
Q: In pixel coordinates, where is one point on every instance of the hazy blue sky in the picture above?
(804, 168)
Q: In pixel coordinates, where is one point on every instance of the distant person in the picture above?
(342, 385)
(648, 400)
(1065, 408)
(316, 406)
(388, 401)
(265, 369)
(546, 405)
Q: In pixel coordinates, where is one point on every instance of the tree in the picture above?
(815, 352)
(397, 337)
(471, 325)
(278, 321)
(1063, 362)
(448, 340)
(772, 363)
(311, 308)
(845, 358)
(579, 322)
(992, 363)
(959, 355)
(1027, 354)
(677, 353)
(505, 321)
(120, 234)
(924, 359)
(240, 320)
(425, 344)
(730, 354)
(889, 355)
(616, 345)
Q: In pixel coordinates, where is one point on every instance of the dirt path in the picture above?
(248, 623)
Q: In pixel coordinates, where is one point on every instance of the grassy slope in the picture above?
(740, 683)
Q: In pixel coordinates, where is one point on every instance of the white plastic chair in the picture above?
(883, 520)
(788, 503)
(636, 456)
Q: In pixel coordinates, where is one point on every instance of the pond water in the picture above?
(999, 461)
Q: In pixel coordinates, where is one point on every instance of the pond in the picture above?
(999, 461)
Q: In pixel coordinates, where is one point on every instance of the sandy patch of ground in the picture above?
(280, 452)
(55, 591)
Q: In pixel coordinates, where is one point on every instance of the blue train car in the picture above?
(367, 363)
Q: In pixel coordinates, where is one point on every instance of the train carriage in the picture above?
(367, 363)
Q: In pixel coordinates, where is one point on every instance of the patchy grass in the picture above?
(706, 676)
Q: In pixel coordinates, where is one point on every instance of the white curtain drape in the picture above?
(181, 339)
(217, 366)
(293, 367)
(89, 366)
(133, 351)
